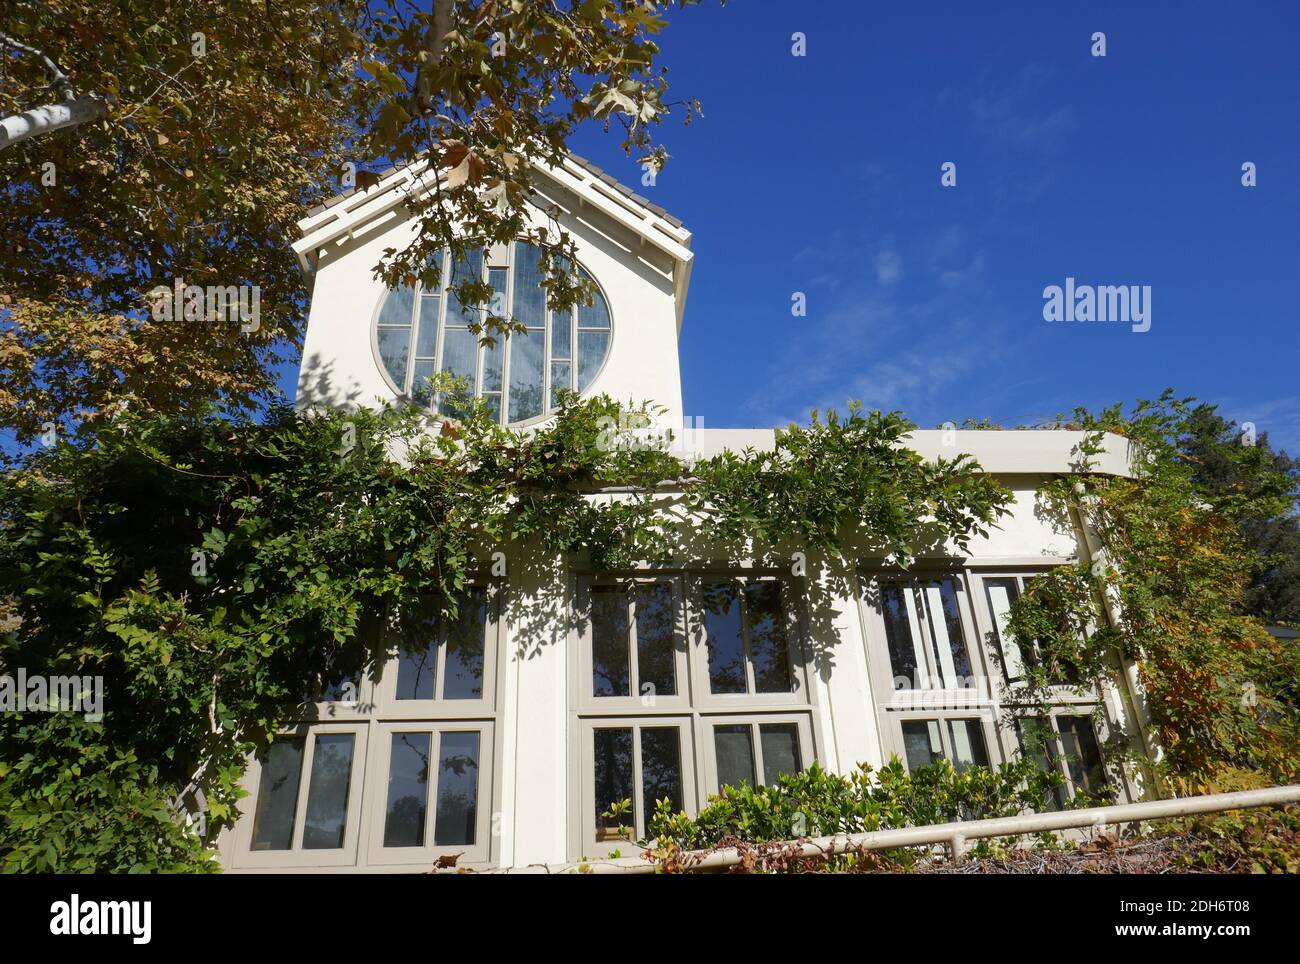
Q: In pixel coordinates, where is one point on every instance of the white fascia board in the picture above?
(349, 215)
(1028, 452)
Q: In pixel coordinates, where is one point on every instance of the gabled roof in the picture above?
(342, 216)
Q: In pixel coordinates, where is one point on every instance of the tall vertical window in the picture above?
(925, 633)
(519, 376)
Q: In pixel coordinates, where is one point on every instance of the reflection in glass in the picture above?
(610, 670)
(426, 338)
(724, 639)
(394, 343)
(398, 306)
(613, 779)
(780, 742)
(327, 792)
(1038, 743)
(466, 635)
(768, 648)
(408, 790)
(968, 748)
(530, 297)
(457, 789)
(734, 747)
(526, 353)
(277, 796)
(592, 348)
(1083, 755)
(417, 661)
(922, 743)
(661, 768)
(656, 664)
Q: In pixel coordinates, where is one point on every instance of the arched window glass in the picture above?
(419, 332)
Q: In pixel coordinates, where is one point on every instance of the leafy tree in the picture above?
(216, 124)
(1233, 464)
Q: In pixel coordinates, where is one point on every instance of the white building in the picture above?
(561, 692)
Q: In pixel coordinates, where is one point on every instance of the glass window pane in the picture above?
(421, 387)
(655, 639)
(734, 746)
(457, 789)
(781, 755)
(611, 673)
(1082, 755)
(726, 646)
(496, 308)
(398, 305)
(492, 404)
(277, 796)
(394, 343)
(1038, 743)
(463, 676)
(562, 334)
(327, 793)
(469, 268)
(494, 357)
(968, 748)
(594, 315)
(768, 646)
(906, 650)
(661, 768)
(530, 298)
(613, 780)
(1002, 593)
(526, 375)
(417, 659)
(426, 340)
(940, 600)
(561, 378)
(460, 356)
(408, 790)
(922, 743)
(592, 347)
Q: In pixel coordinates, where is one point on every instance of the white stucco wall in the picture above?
(340, 367)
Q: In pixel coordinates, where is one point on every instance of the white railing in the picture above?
(954, 835)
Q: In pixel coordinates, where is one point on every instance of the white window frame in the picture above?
(245, 858)
(968, 699)
(377, 794)
(703, 697)
(985, 718)
(635, 702)
(803, 728)
(994, 645)
(495, 257)
(389, 707)
(589, 845)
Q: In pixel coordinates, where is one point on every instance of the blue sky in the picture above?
(821, 174)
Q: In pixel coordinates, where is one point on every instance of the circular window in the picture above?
(420, 332)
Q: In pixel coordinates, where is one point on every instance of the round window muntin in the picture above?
(443, 298)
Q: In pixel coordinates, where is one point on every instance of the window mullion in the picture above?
(639, 818)
(742, 600)
(304, 788)
(431, 785)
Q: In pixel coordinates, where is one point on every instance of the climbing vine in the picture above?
(217, 572)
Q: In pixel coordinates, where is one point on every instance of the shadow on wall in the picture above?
(317, 387)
